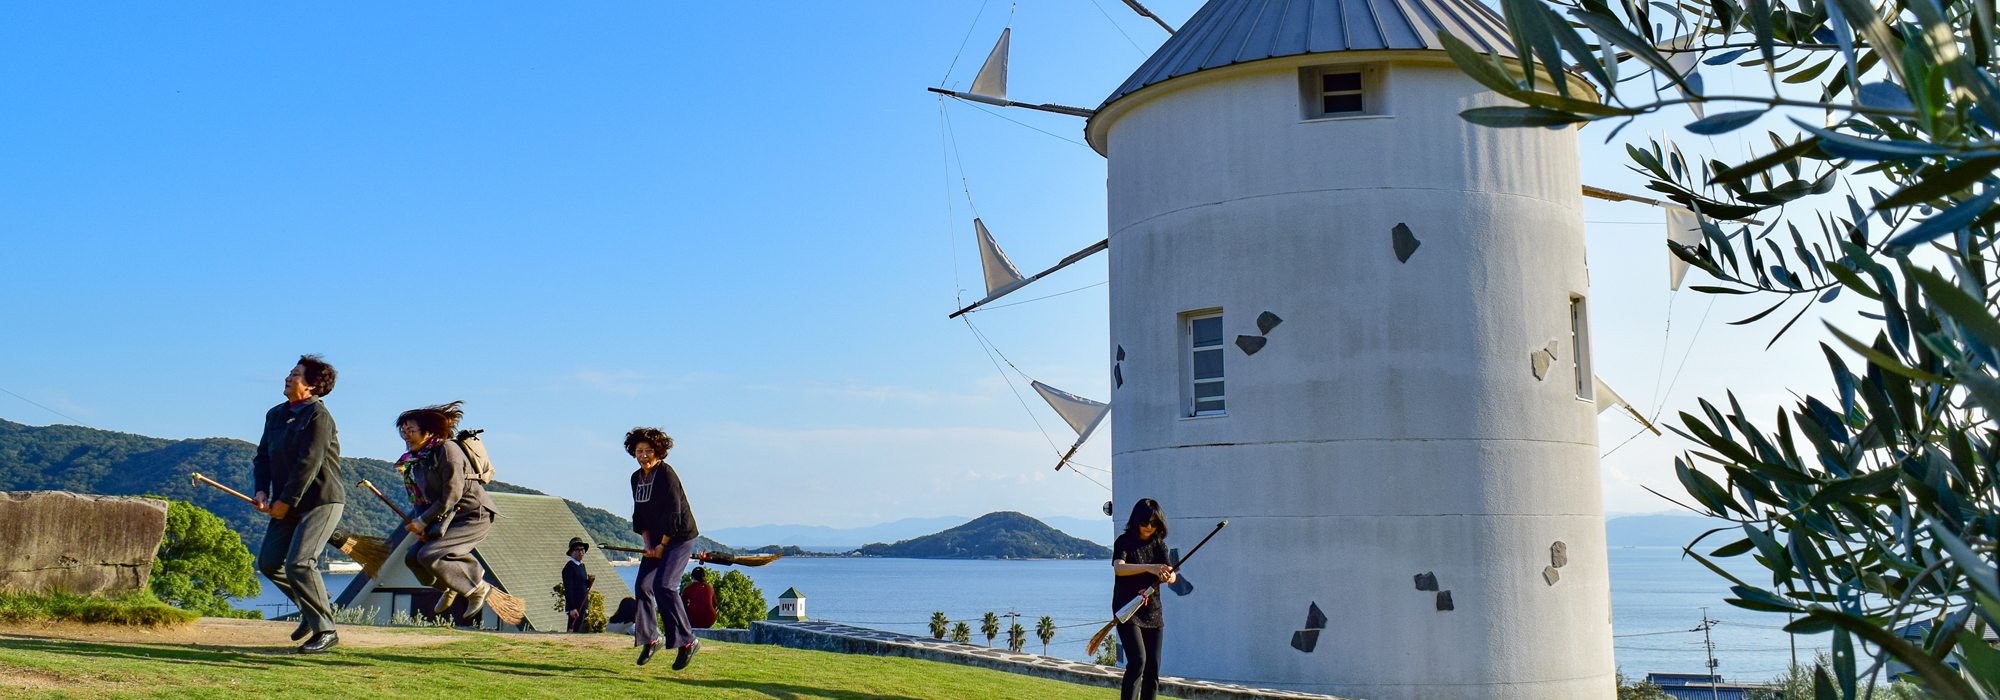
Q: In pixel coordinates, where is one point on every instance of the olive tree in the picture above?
(1874, 504)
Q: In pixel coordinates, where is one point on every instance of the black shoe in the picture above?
(301, 632)
(686, 654)
(646, 654)
(320, 643)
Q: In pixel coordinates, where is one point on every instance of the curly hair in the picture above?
(651, 436)
(437, 421)
(319, 375)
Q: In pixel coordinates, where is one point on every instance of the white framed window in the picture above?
(1579, 348)
(1203, 344)
(1332, 92)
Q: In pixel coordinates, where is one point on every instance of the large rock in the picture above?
(57, 541)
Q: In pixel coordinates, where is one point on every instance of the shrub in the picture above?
(140, 609)
(738, 601)
(202, 564)
(593, 612)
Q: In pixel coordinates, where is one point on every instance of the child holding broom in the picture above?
(452, 510)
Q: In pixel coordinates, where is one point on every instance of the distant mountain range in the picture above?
(87, 460)
(1002, 535)
(820, 538)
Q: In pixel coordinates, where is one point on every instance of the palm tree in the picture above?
(1016, 636)
(961, 633)
(1046, 629)
(990, 626)
(939, 624)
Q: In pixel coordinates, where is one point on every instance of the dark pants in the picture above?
(1142, 660)
(290, 559)
(446, 562)
(662, 616)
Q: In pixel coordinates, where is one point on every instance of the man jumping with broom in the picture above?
(297, 471)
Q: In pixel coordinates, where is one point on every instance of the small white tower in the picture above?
(1354, 326)
(791, 606)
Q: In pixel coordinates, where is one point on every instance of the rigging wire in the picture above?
(951, 212)
(1661, 408)
(986, 345)
(1051, 296)
(45, 408)
(958, 156)
(1121, 30)
(1011, 119)
(968, 38)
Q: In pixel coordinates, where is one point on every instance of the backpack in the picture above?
(475, 453)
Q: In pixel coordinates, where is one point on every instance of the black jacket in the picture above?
(450, 491)
(659, 506)
(576, 586)
(1130, 549)
(298, 459)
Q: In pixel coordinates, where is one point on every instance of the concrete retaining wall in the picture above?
(56, 541)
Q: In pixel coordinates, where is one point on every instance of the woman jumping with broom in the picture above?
(452, 512)
(1139, 559)
(665, 523)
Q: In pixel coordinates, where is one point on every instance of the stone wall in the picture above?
(56, 541)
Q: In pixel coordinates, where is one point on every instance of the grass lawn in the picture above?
(482, 666)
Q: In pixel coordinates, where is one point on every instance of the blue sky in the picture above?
(744, 226)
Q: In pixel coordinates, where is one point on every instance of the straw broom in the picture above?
(367, 551)
(1132, 608)
(510, 609)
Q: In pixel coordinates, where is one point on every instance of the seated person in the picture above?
(700, 599)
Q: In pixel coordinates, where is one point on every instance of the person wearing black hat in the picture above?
(576, 584)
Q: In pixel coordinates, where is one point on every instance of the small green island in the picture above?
(1001, 535)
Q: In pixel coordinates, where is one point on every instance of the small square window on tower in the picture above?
(1349, 90)
(1204, 363)
(1340, 93)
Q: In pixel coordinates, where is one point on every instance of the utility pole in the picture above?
(1708, 643)
(1794, 638)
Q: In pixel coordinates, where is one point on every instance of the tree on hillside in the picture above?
(939, 624)
(202, 564)
(961, 633)
(989, 625)
(1876, 504)
(1046, 630)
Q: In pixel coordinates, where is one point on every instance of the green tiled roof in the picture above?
(527, 547)
(791, 593)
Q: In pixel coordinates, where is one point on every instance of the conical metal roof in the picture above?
(1226, 32)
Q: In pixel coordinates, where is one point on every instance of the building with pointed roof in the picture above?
(523, 554)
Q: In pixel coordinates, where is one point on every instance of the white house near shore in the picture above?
(1356, 327)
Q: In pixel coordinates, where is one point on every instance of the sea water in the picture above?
(1656, 598)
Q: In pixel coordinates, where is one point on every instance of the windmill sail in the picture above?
(1683, 227)
(1001, 275)
(991, 83)
(1606, 398)
(1083, 415)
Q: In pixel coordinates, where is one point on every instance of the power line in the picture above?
(45, 408)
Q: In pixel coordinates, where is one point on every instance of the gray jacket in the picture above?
(450, 490)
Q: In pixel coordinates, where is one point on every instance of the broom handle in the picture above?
(615, 548)
(233, 492)
(1148, 595)
(399, 511)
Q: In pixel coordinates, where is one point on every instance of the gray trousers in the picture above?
(446, 562)
(290, 559)
(662, 617)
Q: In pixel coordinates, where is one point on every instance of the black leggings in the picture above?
(1142, 660)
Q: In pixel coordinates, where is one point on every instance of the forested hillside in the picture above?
(1002, 535)
(86, 460)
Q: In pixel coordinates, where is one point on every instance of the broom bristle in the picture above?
(369, 552)
(1097, 640)
(510, 609)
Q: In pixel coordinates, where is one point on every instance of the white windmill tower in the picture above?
(1355, 326)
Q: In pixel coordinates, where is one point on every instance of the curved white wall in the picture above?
(1393, 424)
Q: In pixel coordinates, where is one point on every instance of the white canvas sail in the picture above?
(1083, 415)
(1606, 398)
(1683, 227)
(991, 83)
(1685, 62)
(1001, 275)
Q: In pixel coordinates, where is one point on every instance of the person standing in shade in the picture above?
(699, 597)
(665, 523)
(576, 584)
(297, 472)
(1139, 560)
(453, 512)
